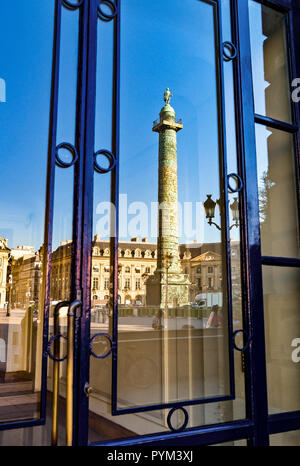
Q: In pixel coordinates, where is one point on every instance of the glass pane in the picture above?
(172, 309)
(282, 329)
(26, 38)
(286, 439)
(185, 344)
(277, 193)
(270, 68)
(235, 443)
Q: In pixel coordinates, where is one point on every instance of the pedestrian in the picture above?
(215, 317)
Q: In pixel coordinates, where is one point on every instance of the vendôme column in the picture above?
(168, 286)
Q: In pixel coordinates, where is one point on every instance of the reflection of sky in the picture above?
(259, 84)
(164, 44)
(159, 50)
(25, 38)
(165, 58)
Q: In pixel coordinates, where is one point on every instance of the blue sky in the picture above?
(170, 45)
(163, 44)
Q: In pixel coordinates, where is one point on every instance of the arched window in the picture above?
(137, 253)
(127, 299)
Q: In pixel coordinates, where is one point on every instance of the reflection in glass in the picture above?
(285, 439)
(277, 193)
(26, 58)
(157, 362)
(172, 313)
(269, 62)
(163, 178)
(282, 329)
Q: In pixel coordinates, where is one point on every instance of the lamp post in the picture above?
(210, 207)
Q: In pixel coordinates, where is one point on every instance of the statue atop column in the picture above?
(167, 96)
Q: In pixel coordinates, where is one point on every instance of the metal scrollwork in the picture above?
(72, 6)
(111, 158)
(51, 356)
(185, 422)
(71, 149)
(229, 51)
(103, 356)
(112, 6)
(246, 344)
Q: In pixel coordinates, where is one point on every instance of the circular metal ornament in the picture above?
(52, 339)
(111, 158)
(113, 8)
(72, 6)
(71, 149)
(229, 51)
(239, 183)
(247, 343)
(108, 352)
(185, 423)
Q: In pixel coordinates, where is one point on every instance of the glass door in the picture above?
(162, 352)
(137, 268)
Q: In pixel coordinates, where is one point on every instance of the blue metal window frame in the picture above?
(257, 425)
(254, 427)
(287, 421)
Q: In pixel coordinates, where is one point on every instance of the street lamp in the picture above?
(210, 207)
(235, 212)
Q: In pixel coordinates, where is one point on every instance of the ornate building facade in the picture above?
(137, 262)
(201, 263)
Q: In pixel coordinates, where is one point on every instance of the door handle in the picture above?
(56, 360)
(88, 389)
(70, 371)
(70, 368)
